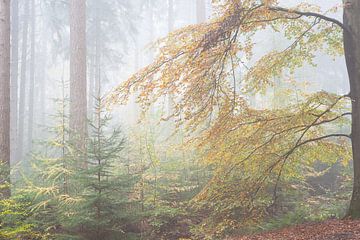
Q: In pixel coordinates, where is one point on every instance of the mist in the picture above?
(178, 119)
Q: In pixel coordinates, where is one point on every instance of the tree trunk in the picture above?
(23, 84)
(5, 98)
(42, 83)
(95, 63)
(352, 55)
(32, 78)
(78, 96)
(14, 78)
(98, 49)
(91, 85)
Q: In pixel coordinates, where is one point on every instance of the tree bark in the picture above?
(14, 78)
(352, 55)
(22, 96)
(5, 98)
(78, 95)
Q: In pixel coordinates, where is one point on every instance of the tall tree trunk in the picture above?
(78, 96)
(14, 78)
(32, 78)
(41, 72)
(352, 55)
(23, 84)
(5, 98)
(94, 64)
(200, 11)
(91, 85)
(42, 83)
(97, 54)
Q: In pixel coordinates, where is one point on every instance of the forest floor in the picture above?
(327, 230)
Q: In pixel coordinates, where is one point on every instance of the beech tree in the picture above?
(78, 93)
(351, 29)
(200, 65)
(5, 98)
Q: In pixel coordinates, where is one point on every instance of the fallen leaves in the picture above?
(328, 230)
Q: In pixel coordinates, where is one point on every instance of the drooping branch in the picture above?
(309, 14)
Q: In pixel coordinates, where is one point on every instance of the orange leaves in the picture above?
(210, 70)
(331, 229)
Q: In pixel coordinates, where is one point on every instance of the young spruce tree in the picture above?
(105, 209)
(84, 203)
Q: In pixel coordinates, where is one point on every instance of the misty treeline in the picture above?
(174, 119)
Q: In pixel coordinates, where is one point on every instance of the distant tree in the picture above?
(5, 99)
(78, 83)
(14, 76)
(23, 82)
(110, 29)
(32, 76)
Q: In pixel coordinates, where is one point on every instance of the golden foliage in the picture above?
(199, 64)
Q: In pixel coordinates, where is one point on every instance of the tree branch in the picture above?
(309, 14)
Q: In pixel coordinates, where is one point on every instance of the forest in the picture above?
(179, 119)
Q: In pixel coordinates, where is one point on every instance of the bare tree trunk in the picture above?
(78, 95)
(32, 78)
(14, 77)
(23, 84)
(42, 84)
(97, 54)
(91, 83)
(5, 98)
(352, 55)
(41, 72)
(94, 60)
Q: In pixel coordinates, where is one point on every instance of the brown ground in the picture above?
(328, 230)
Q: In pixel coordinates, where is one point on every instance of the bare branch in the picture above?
(309, 14)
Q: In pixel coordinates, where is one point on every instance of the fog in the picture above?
(184, 177)
(126, 32)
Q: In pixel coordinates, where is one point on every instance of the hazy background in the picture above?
(119, 38)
